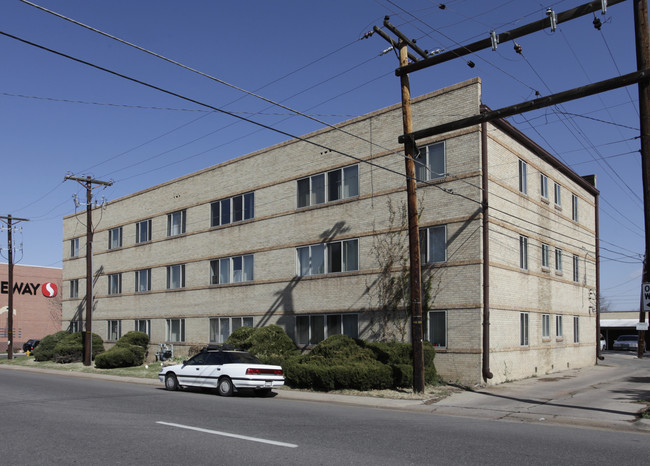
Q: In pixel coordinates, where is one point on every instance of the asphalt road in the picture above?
(53, 419)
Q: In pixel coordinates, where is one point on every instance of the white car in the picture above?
(224, 369)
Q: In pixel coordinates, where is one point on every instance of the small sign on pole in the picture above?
(645, 295)
(642, 326)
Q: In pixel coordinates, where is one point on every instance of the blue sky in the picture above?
(60, 117)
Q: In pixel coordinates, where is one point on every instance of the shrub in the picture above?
(70, 348)
(45, 349)
(124, 355)
(240, 338)
(270, 344)
(356, 375)
(134, 338)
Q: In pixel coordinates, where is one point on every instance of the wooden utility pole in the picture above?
(88, 182)
(642, 62)
(414, 235)
(10, 278)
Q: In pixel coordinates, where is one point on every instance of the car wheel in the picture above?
(171, 382)
(225, 387)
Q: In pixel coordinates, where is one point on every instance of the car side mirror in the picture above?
(185, 362)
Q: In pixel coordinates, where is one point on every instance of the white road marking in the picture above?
(226, 434)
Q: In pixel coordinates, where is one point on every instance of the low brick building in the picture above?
(298, 234)
(37, 303)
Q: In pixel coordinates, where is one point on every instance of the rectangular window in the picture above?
(337, 184)
(312, 329)
(438, 328)
(115, 283)
(74, 326)
(558, 260)
(337, 256)
(523, 329)
(558, 195)
(431, 163)
(558, 326)
(176, 223)
(74, 247)
(143, 231)
(543, 185)
(142, 280)
(233, 209)
(433, 244)
(545, 256)
(576, 268)
(175, 330)
(523, 252)
(523, 180)
(231, 270)
(144, 326)
(222, 327)
(115, 238)
(576, 329)
(574, 207)
(175, 276)
(114, 330)
(546, 326)
(74, 288)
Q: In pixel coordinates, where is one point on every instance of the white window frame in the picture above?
(427, 243)
(224, 211)
(432, 162)
(439, 341)
(543, 185)
(176, 223)
(327, 265)
(222, 327)
(557, 195)
(114, 330)
(558, 260)
(576, 329)
(546, 259)
(115, 283)
(74, 247)
(348, 324)
(559, 333)
(319, 188)
(235, 269)
(115, 238)
(175, 330)
(576, 268)
(523, 329)
(142, 276)
(546, 326)
(143, 323)
(172, 270)
(523, 177)
(74, 288)
(523, 252)
(143, 231)
(574, 208)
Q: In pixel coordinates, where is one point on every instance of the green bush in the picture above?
(70, 348)
(124, 355)
(134, 338)
(45, 349)
(355, 375)
(240, 338)
(270, 344)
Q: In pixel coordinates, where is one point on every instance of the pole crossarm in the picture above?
(572, 94)
(504, 37)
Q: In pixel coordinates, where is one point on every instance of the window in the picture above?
(558, 260)
(574, 207)
(176, 223)
(231, 270)
(576, 329)
(558, 195)
(576, 268)
(546, 326)
(438, 328)
(431, 163)
(338, 256)
(222, 327)
(144, 326)
(545, 256)
(433, 244)
(311, 330)
(175, 330)
(74, 288)
(74, 326)
(142, 280)
(143, 231)
(115, 238)
(523, 252)
(114, 330)
(233, 209)
(543, 185)
(337, 184)
(175, 276)
(115, 283)
(523, 329)
(523, 183)
(74, 247)
(558, 326)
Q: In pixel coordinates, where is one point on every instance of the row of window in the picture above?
(316, 259)
(546, 328)
(543, 189)
(546, 258)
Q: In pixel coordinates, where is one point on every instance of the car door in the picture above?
(190, 372)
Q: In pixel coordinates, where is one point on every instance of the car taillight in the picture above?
(263, 371)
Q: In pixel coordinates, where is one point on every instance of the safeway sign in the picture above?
(645, 293)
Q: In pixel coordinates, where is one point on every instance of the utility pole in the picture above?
(8, 220)
(414, 234)
(88, 182)
(642, 62)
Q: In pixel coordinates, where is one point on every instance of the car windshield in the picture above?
(628, 338)
(235, 357)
